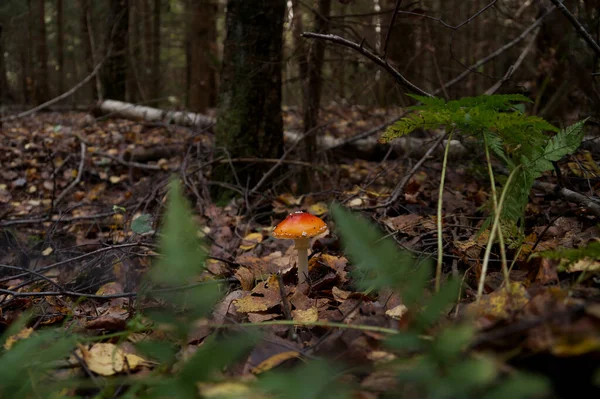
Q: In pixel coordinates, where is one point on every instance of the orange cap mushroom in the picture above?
(300, 226)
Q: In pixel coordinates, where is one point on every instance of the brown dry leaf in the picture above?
(23, 334)
(245, 277)
(407, 224)
(340, 295)
(115, 319)
(310, 315)
(225, 306)
(263, 297)
(259, 317)
(250, 241)
(259, 267)
(337, 263)
(107, 359)
(274, 361)
(547, 272)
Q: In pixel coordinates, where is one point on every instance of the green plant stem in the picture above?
(495, 204)
(331, 324)
(440, 227)
(488, 248)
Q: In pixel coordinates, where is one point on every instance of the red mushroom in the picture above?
(300, 227)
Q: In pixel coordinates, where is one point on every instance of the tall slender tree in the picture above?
(115, 69)
(60, 45)
(3, 82)
(200, 45)
(314, 78)
(249, 121)
(42, 90)
(156, 36)
(86, 43)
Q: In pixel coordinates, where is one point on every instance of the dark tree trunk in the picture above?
(249, 121)
(86, 42)
(115, 68)
(4, 95)
(60, 45)
(42, 92)
(314, 78)
(299, 42)
(156, 14)
(200, 55)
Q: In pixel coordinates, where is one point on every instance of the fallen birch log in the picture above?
(365, 147)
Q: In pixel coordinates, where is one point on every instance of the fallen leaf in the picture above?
(274, 361)
(397, 312)
(24, 333)
(251, 241)
(107, 359)
(310, 315)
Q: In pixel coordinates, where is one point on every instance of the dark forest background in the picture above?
(168, 53)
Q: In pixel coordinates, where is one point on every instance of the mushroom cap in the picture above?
(299, 225)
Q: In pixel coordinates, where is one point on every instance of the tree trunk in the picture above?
(4, 95)
(156, 14)
(42, 92)
(115, 68)
(60, 45)
(314, 78)
(200, 55)
(86, 42)
(250, 122)
(299, 42)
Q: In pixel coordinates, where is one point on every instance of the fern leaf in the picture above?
(565, 142)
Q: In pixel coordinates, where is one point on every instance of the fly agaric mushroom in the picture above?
(300, 226)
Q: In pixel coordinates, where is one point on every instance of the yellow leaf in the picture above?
(24, 333)
(502, 302)
(274, 361)
(251, 241)
(584, 265)
(228, 389)
(581, 347)
(318, 209)
(47, 251)
(397, 312)
(305, 316)
(107, 359)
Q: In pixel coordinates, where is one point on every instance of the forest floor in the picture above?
(81, 201)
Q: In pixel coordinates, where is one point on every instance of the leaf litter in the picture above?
(101, 242)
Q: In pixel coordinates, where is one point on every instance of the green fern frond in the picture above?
(565, 142)
(570, 256)
(472, 114)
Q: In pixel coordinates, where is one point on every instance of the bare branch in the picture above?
(582, 32)
(389, 32)
(373, 57)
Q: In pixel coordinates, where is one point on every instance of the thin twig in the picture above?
(496, 53)
(77, 179)
(373, 57)
(389, 32)
(582, 32)
(399, 189)
(511, 70)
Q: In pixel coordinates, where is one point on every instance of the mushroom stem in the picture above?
(302, 247)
